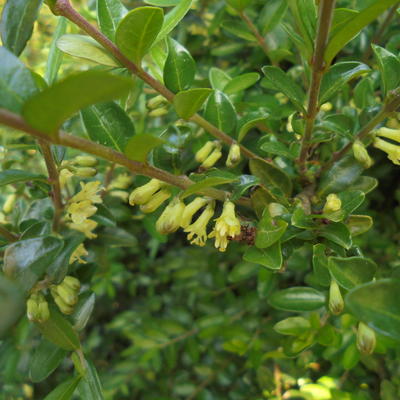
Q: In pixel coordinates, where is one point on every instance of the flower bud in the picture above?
(233, 156)
(158, 112)
(43, 311)
(333, 203)
(169, 220)
(154, 102)
(84, 172)
(37, 309)
(366, 339)
(68, 295)
(63, 307)
(205, 151)
(32, 309)
(72, 282)
(155, 201)
(326, 107)
(122, 181)
(361, 154)
(336, 303)
(192, 209)
(85, 161)
(9, 203)
(143, 194)
(211, 159)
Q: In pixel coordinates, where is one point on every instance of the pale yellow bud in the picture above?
(336, 303)
(85, 161)
(361, 154)
(233, 156)
(9, 203)
(191, 209)
(43, 311)
(68, 295)
(84, 172)
(326, 107)
(63, 307)
(155, 201)
(169, 220)
(32, 309)
(72, 282)
(143, 194)
(154, 102)
(211, 159)
(205, 151)
(158, 112)
(333, 203)
(366, 339)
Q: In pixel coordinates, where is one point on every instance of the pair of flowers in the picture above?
(178, 215)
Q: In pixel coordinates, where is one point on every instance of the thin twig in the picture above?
(255, 31)
(318, 68)
(11, 237)
(278, 381)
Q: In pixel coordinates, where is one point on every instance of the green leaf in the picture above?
(12, 305)
(27, 260)
(65, 390)
(279, 149)
(269, 230)
(244, 183)
(351, 271)
(359, 224)
(83, 46)
(90, 387)
(280, 81)
(242, 271)
(297, 299)
(337, 233)
(221, 112)
(140, 145)
(55, 57)
(17, 20)
(108, 124)
(293, 326)
(46, 358)
(63, 99)
(245, 127)
(179, 69)
(109, 14)
(188, 102)
(340, 17)
(340, 177)
(353, 26)
(238, 5)
(13, 176)
(272, 14)
(241, 82)
(218, 78)
(162, 3)
(206, 183)
(376, 303)
(320, 265)
(271, 176)
(365, 183)
(59, 331)
(137, 32)
(173, 18)
(338, 75)
(83, 311)
(270, 257)
(16, 82)
(389, 65)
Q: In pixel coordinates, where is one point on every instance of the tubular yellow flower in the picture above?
(361, 154)
(392, 150)
(143, 194)
(205, 151)
(155, 201)
(86, 227)
(393, 134)
(211, 159)
(192, 209)
(89, 192)
(81, 210)
(227, 225)
(78, 253)
(197, 232)
(233, 156)
(333, 203)
(169, 220)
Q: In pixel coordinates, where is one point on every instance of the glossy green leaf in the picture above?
(376, 304)
(83, 46)
(179, 69)
(17, 20)
(389, 65)
(16, 82)
(270, 257)
(62, 100)
(206, 183)
(109, 14)
(188, 102)
(359, 224)
(351, 271)
(282, 82)
(242, 271)
(244, 183)
(365, 183)
(279, 149)
(108, 124)
(90, 387)
(137, 32)
(338, 75)
(269, 231)
(297, 299)
(337, 233)
(271, 176)
(221, 112)
(292, 326)
(12, 176)
(241, 82)
(83, 311)
(239, 5)
(340, 17)
(139, 146)
(238, 29)
(46, 358)
(12, 305)
(59, 331)
(162, 3)
(320, 265)
(272, 14)
(353, 26)
(55, 57)
(65, 390)
(218, 78)
(27, 260)
(246, 126)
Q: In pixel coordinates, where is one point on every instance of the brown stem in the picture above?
(54, 181)
(182, 181)
(318, 69)
(64, 8)
(255, 31)
(11, 237)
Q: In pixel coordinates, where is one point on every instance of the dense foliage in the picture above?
(199, 199)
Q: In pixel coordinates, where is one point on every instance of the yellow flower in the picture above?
(192, 209)
(81, 210)
(155, 201)
(393, 134)
(392, 150)
(86, 227)
(227, 225)
(143, 194)
(211, 159)
(197, 232)
(79, 252)
(233, 156)
(169, 220)
(89, 192)
(120, 194)
(333, 203)
(204, 151)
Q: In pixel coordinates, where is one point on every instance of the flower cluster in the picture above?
(392, 150)
(211, 152)
(177, 215)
